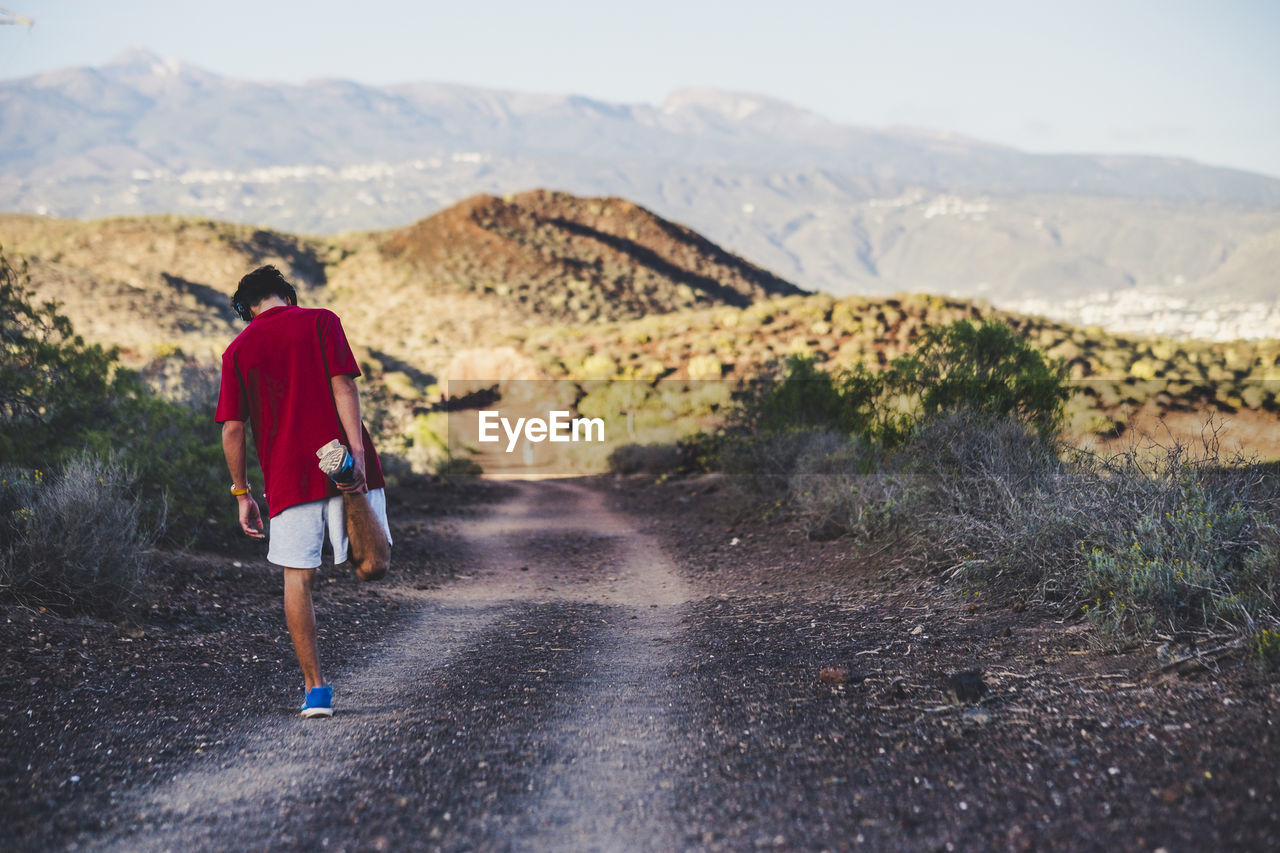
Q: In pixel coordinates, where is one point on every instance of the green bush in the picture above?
(175, 450)
(52, 385)
(821, 440)
(803, 397)
(989, 369)
(60, 397)
(73, 539)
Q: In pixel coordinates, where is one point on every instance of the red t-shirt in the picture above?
(276, 375)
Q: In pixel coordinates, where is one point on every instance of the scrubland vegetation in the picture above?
(952, 458)
(96, 465)
(942, 426)
(1113, 376)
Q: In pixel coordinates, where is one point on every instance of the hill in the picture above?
(581, 259)
(581, 289)
(1121, 382)
(1138, 243)
(148, 285)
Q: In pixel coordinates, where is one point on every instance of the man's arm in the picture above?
(236, 451)
(347, 398)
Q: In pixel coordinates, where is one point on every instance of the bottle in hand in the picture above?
(336, 462)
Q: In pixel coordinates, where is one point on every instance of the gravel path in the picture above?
(559, 640)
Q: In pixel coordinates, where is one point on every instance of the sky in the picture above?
(1171, 77)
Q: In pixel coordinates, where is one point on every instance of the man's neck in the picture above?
(272, 301)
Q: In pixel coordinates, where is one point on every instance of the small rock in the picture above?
(919, 629)
(827, 532)
(966, 686)
(981, 716)
(132, 632)
(833, 675)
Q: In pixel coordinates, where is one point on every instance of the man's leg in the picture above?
(370, 551)
(301, 616)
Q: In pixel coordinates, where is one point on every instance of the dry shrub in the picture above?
(987, 484)
(652, 459)
(1155, 538)
(761, 466)
(72, 540)
(840, 486)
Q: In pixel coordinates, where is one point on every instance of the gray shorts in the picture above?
(297, 533)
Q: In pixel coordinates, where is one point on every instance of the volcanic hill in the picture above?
(578, 259)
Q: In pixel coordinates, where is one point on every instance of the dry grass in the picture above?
(1157, 539)
(72, 539)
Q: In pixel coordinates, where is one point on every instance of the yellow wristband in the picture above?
(238, 492)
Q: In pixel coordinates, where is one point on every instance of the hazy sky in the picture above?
(1193, 79)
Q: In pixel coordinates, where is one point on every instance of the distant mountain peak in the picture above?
(732, 105)
(142, 62)
(138, 57)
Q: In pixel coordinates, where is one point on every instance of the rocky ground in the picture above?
(618, 665)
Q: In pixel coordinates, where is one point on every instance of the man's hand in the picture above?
(357, 483)
(347, 400)
(250, 517)
(234, 448)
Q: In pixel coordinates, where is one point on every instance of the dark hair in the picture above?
(257, 286)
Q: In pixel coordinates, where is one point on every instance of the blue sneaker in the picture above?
(319, 702)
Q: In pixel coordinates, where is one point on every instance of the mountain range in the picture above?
(1147, 243)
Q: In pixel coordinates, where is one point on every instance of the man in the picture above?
(291, 375)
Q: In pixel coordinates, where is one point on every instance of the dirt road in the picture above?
(527, 706)
(626, 670)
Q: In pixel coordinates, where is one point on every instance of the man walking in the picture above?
(291, 375)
